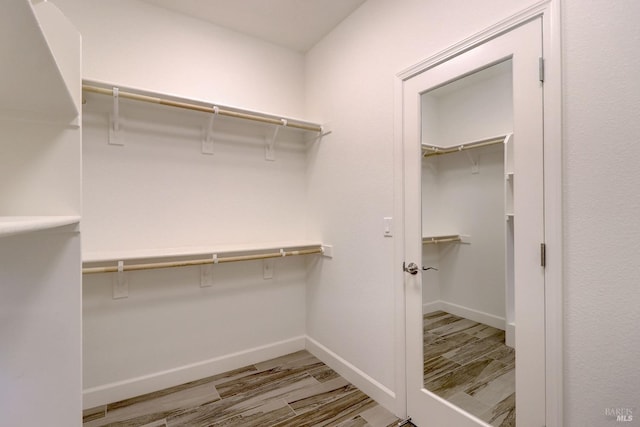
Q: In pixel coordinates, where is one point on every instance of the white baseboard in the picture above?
(355, 376)
(117, 391)
(467, 313)
(510, 335)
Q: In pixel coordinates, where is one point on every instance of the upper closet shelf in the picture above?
(185, 251)
(205, 107)
(11, 225)
(183, 257)
(448, 238)
(434, 150)
(36, 68)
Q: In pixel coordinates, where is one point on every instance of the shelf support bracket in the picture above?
(207, 142)
(120, 283)
(206, 272)
(474, 162)
(115, 135)
(269, 151)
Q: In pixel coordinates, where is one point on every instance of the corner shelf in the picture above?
(12, 225)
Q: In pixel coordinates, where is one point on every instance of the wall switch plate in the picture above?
(388, 226)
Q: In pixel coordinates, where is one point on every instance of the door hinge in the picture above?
(541, 68)
(543, 255)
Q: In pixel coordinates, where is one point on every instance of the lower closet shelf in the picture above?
(448, 238)
(191, 256)
(11, 225)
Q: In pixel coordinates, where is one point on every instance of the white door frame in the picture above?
(549, 11)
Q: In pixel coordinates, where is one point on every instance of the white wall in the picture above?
(160, 191)
(40, 328)
(349, 83)
(131, 43)
(477, 107)
(601, 202)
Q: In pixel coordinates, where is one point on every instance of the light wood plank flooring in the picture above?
(468, 364)
(293, 390)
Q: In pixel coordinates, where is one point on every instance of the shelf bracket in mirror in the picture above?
(473, 160)
(269, 151)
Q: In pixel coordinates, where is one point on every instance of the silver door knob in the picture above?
(412, 268)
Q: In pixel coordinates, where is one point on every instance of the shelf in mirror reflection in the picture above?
(446, 238)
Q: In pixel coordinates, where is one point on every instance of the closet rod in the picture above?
(187, 263)
(191, 106)
(432, 150)
(443, 240)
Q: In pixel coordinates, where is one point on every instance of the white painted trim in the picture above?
(466, 312)
(552, 49)
(493, 31)
(120, 390)
(549, 10)
(510, 335)
(400, 339)
(377, 391)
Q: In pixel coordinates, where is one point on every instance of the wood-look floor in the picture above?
(468, 364)
(293, 390)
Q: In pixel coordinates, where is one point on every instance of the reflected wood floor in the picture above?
(293, 390)
(468, 364)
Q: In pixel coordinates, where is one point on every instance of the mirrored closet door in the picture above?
(467, 126)
(475, 307)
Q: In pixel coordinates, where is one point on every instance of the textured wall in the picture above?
(601, 203)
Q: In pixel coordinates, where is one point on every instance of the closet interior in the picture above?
(467, 226)
(194, 224)
(195, 218)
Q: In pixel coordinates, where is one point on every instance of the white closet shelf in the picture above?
(195, 251)
(25, 48)
(201, 106)
(11, 225)
(446, 238)
(429, 150)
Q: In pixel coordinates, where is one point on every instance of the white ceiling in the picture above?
(295, 24)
